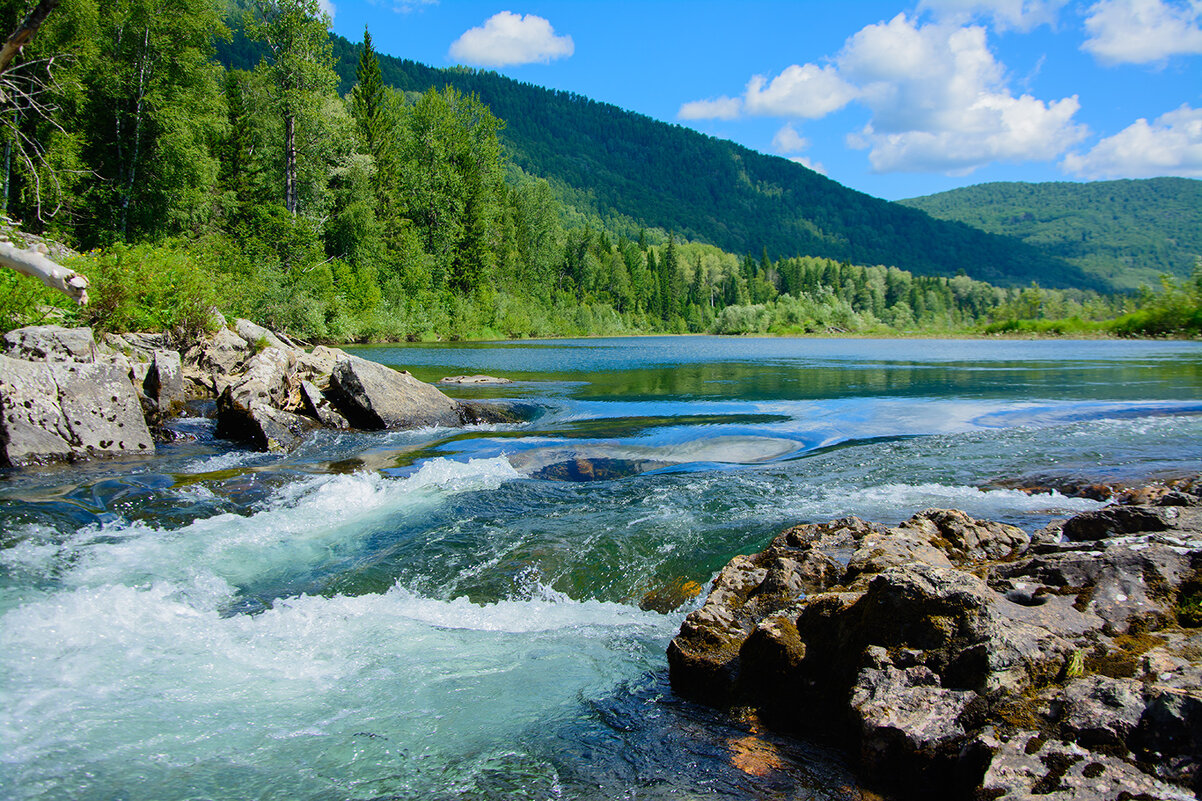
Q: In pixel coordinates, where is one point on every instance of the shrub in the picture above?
(147, 288)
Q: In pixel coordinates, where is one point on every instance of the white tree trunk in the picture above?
(35, 262)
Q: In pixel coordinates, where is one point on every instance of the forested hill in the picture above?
(712, 190)
(1124, 232)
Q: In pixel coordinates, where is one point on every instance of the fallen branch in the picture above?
(35, 262)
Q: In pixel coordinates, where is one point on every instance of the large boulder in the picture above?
(51, 343)
(60, 399)
(373, 396)
(957, 658)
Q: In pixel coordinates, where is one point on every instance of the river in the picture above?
(456, 613)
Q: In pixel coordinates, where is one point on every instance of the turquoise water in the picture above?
(450, 614)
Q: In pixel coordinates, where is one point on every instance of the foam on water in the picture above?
(306, 522)
(152, 681)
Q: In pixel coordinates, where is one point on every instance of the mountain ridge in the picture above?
(735, 198)
(1126, 231)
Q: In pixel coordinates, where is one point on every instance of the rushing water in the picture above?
(456, 614)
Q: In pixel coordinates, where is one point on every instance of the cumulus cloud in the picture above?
(1017, 15)
(788, 140)
(1170, 145)
(721, 108)
(1142, 31)
(939, 101)
(806, 91)
(508, 38)
(805, 161)
(327, 7)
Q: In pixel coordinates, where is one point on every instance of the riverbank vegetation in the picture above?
(386, 215)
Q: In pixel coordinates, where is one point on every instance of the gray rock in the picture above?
(136, 346)
(1101, 711)
(923, 648)
(910, 727)
(164, 382)
(61, 411)
(473, 379)
(215, 359)
(968, 539)
(1114, 521)
(375, 397)
(259, 337)
(1025, 768)
(319, 407)
(246, 404)
(51, 343)
(317, 365)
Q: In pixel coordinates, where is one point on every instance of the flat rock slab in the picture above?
(473, 379)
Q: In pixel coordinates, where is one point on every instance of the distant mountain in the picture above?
(618, 164)
(1124, 232)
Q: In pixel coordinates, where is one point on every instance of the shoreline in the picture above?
(956, 658)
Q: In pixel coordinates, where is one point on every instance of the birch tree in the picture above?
(300, 62)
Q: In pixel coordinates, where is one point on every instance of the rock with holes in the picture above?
(70, 403)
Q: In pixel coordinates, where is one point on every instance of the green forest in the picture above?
(1126, 233)
(199, 157)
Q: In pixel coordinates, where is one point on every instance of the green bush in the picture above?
(26, 301)
(147, 288)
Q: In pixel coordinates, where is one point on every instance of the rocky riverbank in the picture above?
(64, 396)
(960, 658)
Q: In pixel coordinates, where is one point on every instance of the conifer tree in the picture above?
(368, 105)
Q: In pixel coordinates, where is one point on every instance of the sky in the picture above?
(890, 98)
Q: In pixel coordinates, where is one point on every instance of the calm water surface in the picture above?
(456, 614)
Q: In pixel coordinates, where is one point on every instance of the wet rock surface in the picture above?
(64, 397)
(960, 658)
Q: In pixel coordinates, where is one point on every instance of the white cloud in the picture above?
(788, 140)
(805, 161)
(327, 7)
(508, 38)
(1018, 15)
(1142, 31)
(1171, 145)
(721, 108)
(939, 101)
(806, 91)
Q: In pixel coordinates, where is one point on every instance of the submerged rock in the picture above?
(473, 379)
(942, 651)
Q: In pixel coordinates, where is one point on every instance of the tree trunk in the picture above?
(35, 263)
(25, 31)
(290, 163)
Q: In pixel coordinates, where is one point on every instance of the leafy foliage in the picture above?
(611, 161)
(1126, 233)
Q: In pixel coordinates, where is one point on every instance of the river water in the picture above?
(456, 613)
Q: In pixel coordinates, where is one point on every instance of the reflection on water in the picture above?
(483, 612)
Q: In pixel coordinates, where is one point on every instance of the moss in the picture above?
(1057, 764)
(1188, 606)
(1121, 659)
(1084, 596)
(1093, 770)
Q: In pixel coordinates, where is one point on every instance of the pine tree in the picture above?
(368, 105)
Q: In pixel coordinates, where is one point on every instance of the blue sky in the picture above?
(894, 99)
